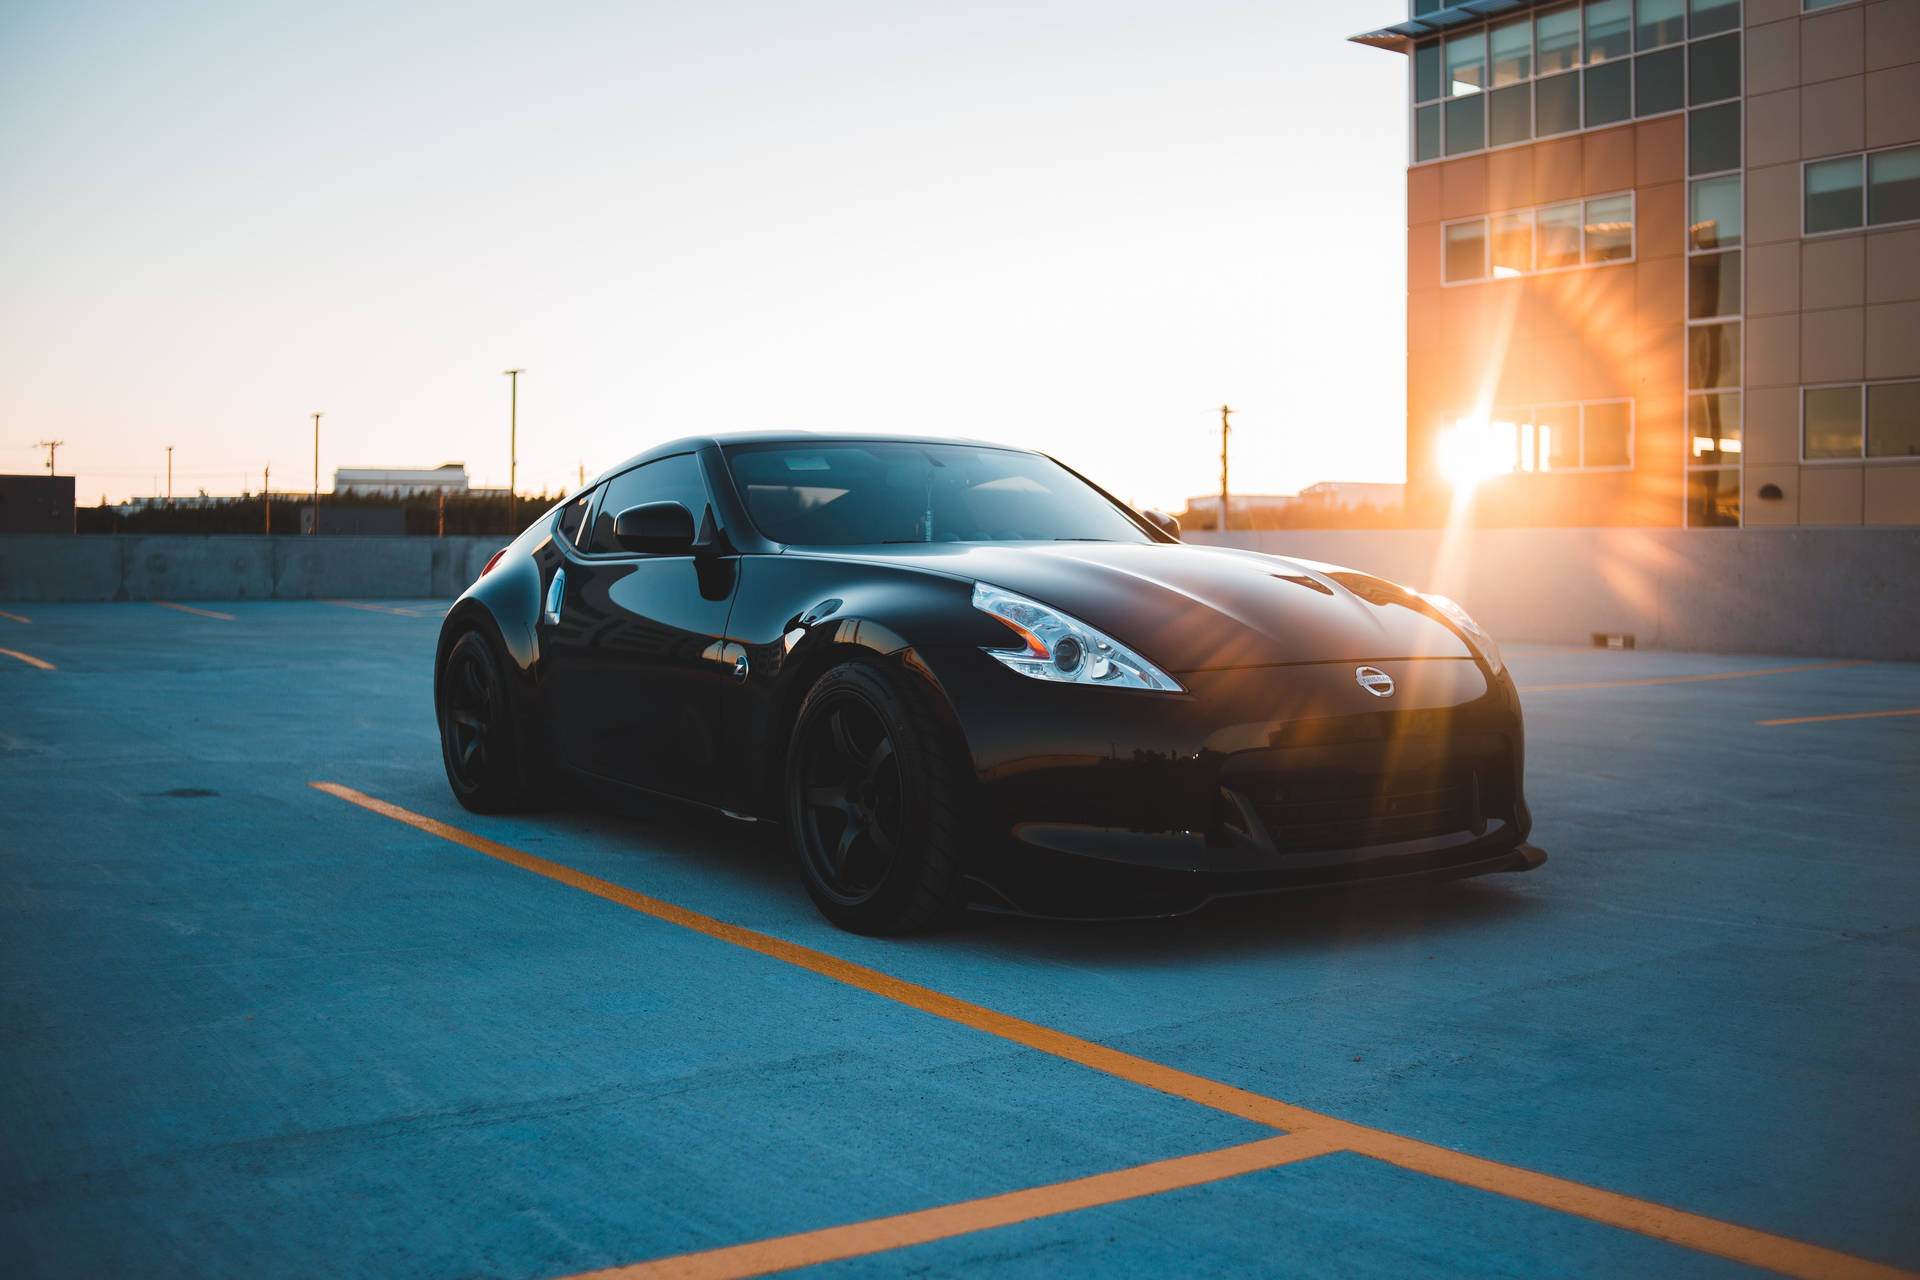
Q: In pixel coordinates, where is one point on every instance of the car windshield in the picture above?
(847, 493)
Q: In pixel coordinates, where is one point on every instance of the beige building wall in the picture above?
(1837, 306)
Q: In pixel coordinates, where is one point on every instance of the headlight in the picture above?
(1065, 649)
(1475, 636)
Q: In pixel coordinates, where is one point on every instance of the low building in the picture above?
(1354, 495)
(400, 482)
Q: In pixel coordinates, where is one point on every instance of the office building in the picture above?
(1663, 261)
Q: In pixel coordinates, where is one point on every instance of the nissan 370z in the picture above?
(958, 673)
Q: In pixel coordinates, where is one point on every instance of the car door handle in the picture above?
(556, 595)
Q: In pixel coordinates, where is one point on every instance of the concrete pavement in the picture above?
(253, 1029)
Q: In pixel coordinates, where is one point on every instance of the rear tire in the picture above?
(876, 785)
(479, 729)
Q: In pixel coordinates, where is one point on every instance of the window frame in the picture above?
(605, 488)
(1866, 222)
(1532, 212)
(1530, 426)
(1863, 457)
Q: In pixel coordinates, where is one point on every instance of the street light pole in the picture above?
(1224, 411)
(513, 443)
(169, 477)
(316, 475)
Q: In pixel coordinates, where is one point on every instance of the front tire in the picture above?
(875, 789)
(478, 730)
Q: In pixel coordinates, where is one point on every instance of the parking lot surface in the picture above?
(257, 1027)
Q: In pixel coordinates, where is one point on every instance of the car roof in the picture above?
(687, 444)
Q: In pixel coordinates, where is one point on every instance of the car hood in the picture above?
(1193, 608)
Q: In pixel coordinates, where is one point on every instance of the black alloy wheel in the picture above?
(477, 729)
(873, 802)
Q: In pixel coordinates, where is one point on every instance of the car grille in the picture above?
(1315, 803)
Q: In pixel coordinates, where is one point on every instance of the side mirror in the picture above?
(655, 528)
(1163, 522)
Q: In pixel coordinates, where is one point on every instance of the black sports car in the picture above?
(958, 672)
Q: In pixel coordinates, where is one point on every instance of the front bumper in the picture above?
(1119, 803)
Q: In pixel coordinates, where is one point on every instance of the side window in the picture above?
(576, 515)
(674, 479)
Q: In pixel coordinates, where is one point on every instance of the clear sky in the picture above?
(1078, 226)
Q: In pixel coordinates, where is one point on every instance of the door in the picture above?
(628, 642)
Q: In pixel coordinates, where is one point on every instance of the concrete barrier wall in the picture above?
(1843, 593)
(50, 567)
(1839, 593)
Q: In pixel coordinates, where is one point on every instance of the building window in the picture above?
(1835, 194)
(1713, 70)
(1659, 82)
(1705, 17)
(1467, 63)
(1466, 250)
(1512, 49)
(1609, 29)
(1714, 214)
(1659, 22)
(1596, 435)
(1713, 138)
(1856, 420)
(1871, 189)
(1713, 428)
(1808, 6)
(1509, 115)
(1573, 66)
(1713, 498)
(1893, 186)
(1426, 133)
(1609, 93)
(1426, 71)
(1561, 230)
(1713, 285)
(1556, 35)
(1547, 238)
(1466, 128)
(1713, 355)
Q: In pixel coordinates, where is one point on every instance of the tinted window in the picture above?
(1657, 82)
(576, 515)
(674, 479)
(841, 493)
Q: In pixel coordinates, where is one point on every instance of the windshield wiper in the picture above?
(1083, 539)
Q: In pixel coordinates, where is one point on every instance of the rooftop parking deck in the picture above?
(257, 1027)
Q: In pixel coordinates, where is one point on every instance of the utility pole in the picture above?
(49, 446)
(1224, 411)
(440, 524)
(513, 443)
(169, 477)
(316, 475)
(266, 493)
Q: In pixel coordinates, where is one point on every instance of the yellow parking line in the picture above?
(187, 608)
(1718, 675)
(14, 616)
(1689, 1230)
(1854, 715)
(857, 1239)
(30, 660)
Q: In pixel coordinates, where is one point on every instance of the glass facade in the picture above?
(1579, 66)
(1547, 237)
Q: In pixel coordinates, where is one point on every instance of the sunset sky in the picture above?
(1074, 226)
